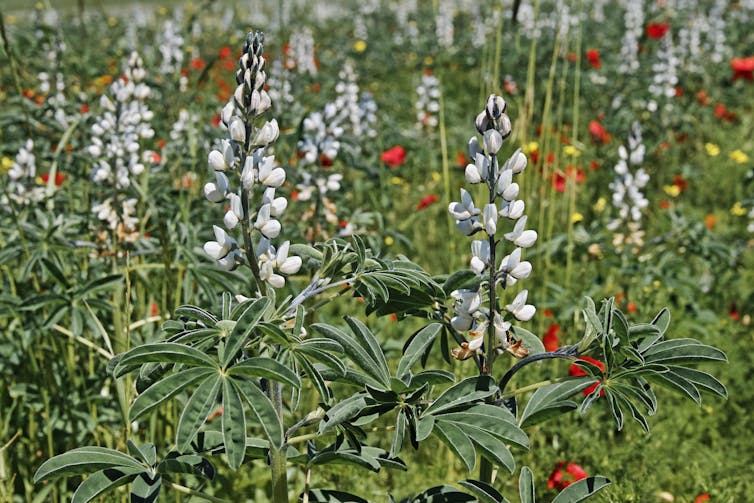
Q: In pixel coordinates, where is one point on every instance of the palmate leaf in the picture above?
(187, 463)
(457, 441)
(676, 351)
(552, 400)
(471, 389)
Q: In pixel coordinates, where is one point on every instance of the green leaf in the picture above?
(441, 494)
(485, 493)
(315, 376)
(436, 376)
(263, 411)
(459, 279)
(324, 357)
(343, 411)
(469, 390)
(461, 445)
(260, 366)
(330, 496)
(243, 328)
(495, 420)
(147, 453)
(675, 382)
(83, 460)
(662, 320)
(677, 351)
(349, 457)
(198, 407)
(526, 485)
(400, 430)
(424, 428)
(233, 425)
(357, 353)
(369, 342)
(197, 313)
(552, 400)
(582, 489)
(166, 388)
(418, 346)
(56, 272)
(702, 380)
(187, 463)
(146, 489)
(163, 352)
(104, 480)
(493, 449)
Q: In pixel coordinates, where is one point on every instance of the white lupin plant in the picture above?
(21, 177)
(628, 199)
(246, 179)
(470, 314)
(427, 101)
(117, 134)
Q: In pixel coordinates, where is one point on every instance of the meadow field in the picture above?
(377, 250)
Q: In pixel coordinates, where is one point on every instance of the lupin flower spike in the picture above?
(246, 178)
(502, 205)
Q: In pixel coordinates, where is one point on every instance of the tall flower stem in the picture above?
(278, 459)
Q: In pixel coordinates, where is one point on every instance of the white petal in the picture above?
(526, 239)
(472, 174)
(214, 250)
(291, 265)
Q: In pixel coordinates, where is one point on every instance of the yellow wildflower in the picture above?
(436, 177)
(39, 6)
(111, 22)
(10, 19)
(600, 205)
(428, 60)
(389, 240)
(360, 46)
(739, 157)
(571, 151)
(712, 149)
(162, 11)
(397, 180)
(530, 147)
(576, 217)
(738, 210)
(672, 190)
(6, 165)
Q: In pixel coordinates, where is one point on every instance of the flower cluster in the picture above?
(665, 78)
(241, 159)
(21, 177)
(629, 53)
(444, 24)
(300, 53)
(116, 147)
(171, 48)
(494, 126)
(428, 101)
(628, 198)
(564, 474)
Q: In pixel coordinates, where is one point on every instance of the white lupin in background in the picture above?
(469, 314)
(628, 199)
(427, 101)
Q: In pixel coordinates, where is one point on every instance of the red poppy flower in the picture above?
(733, 312)
(710, 221)
(534, 155)
(631, 307)
(563, 475)
(598, 132)
(84, 109)
(664, 205)
(594, 165)
(547, 313)
(225, 52)
(558, 182)
(460, 159)
(743, 68)
(161, 143)
(197, 64)
(721, 112)
(551, 340)
(427, 201)
(216, 120)
(571, 56)
(577, 371)
(59, 179)
(702, 498)
(593, 55)
(657, 30)
(325, 161)
(394, 157)
(153, 309)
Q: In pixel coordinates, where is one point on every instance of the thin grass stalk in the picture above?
(446, 172)
(574, 141)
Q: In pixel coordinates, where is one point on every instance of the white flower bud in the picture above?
(493, 141)
(267, 134)
(520, 309)
(495, 106)
(490, 219)
(482, 122)
(216, 161)
(517, 162)
(237, 130)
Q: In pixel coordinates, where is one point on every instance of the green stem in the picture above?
(278, 461)
(193, 492)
